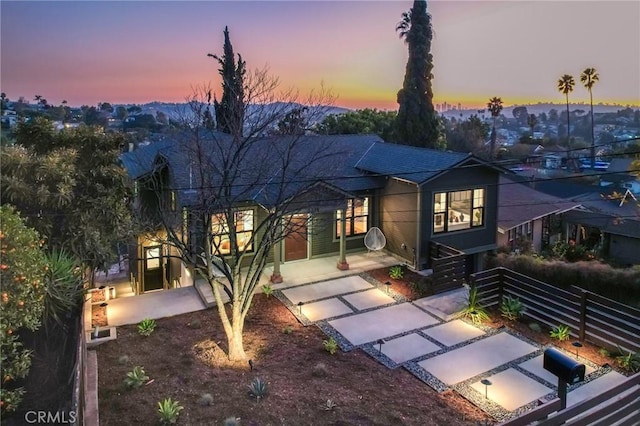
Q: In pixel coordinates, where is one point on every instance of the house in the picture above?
(607, 219)
(416, 196)
(620, 177)
(525, 214)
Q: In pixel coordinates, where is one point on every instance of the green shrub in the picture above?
(396, 272)
(560, 332)
(205, 399)
(474, 310)
(136, 378)
(330, 405)
(629, 360)
(330, 345)
(604, 352)
(169, 410)
(511, 308)
(621, 284)
(231, 421)
(258, 388)
(267, 290)
(195, 324)
(146, 327)
(319, 370)
(123, 359)
(534, 326)
(287, 329)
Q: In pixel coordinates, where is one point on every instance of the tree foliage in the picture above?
(565, 86)
(588, 78)
(417, 122)
(467, 136)
(362, 121)
(495, 108)
(70, 187)
(22, 269)
(227, 169)
(229, 111)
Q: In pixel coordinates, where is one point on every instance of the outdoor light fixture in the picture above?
(577, 345)
(380, 342)
(486, 383)
(300, 306)
(388, 285)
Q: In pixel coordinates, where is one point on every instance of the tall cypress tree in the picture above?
(230, 110)
(417, 123)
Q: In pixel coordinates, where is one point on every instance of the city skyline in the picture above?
(139, 52)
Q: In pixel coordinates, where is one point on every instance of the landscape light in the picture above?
(380, 342)
(577, 345)
(388, 285)
(300, 307)
(486, 383)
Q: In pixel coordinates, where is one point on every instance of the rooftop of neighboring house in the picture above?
(518, 203)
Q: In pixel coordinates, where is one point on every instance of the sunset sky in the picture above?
(142, 51)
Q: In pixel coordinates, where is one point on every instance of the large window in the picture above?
(357, 217)
(243, 228)
(456, 210)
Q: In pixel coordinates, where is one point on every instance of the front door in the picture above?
(153, 268)
(295, 243)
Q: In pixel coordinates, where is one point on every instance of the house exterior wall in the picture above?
(399, 216)
(323, 236)
(625, 250)
(468, 240)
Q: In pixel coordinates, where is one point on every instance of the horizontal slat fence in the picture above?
(591, 317)
(448, 265)
(619, 404)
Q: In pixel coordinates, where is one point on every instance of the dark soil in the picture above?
(185, 361)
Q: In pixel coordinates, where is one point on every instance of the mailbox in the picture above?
(565, 368)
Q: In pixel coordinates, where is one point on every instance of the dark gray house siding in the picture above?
(399, 216)
(472, 240)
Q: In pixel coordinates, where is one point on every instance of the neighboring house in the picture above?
(619, 176)
(415, 196)
(603, 221)
(525, 214)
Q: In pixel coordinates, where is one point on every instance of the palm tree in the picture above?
(495, 107)
(588, 79)
(565, 86)
(404, 25)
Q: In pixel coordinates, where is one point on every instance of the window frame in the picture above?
(442, 217)
(223, 226)
(352, 219)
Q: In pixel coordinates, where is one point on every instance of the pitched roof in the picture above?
(519, 204)
(407, 162)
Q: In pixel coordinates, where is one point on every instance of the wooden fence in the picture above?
(618, 405)
(591, 317)
(448, 266)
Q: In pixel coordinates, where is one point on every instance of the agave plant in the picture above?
(474, 310)
(511, 308)
(64, 287)
(146, 326)
(169, 410)
(258, 388)
(136, 378)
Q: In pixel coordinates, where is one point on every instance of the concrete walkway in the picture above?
(427, 338)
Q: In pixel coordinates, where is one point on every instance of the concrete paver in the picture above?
(595, 387)
(167, 303)
(446, 305)
(325, 289)
(512, 389)
(369, 299)
(382, 323)
(408, 347)
(476, 358)
(453, 332)
(535, 366)
(324, 309)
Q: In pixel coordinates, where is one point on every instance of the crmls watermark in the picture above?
(50, 417)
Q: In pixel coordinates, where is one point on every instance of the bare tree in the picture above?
(239, 192)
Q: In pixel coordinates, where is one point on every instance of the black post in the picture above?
(562, 393)
(583, 315)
